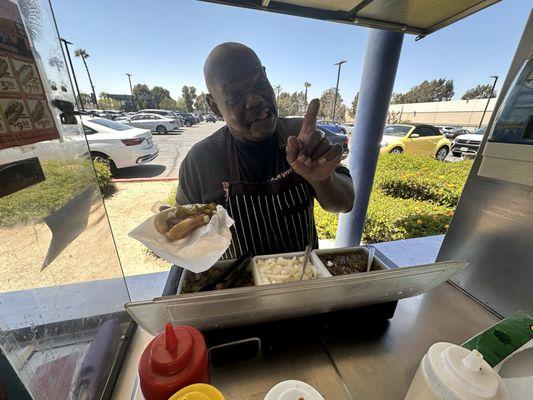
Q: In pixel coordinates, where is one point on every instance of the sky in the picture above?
(165, 43)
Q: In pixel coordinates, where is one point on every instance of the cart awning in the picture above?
(420, 17)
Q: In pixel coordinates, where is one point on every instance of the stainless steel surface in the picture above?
(242, 306)
(381, 366)
(306, 260)
(371, 253)
(371, 362)
(493, 227)
(410, 16)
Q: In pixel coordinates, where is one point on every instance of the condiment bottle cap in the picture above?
(457, 373)
(198, 391)
(171, 351)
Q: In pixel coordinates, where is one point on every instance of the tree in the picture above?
(353, 108)
(201, 103)
(298, 103)
(84, 56)
(284, 104)
(326, 106)
(479, 92)
(427, 91)
(143, 96)
(56, 62)
(87, 100)
(159, 93)
(291, 104)
(188, 93)
(108, 104)
(168, 103)
(182, 106)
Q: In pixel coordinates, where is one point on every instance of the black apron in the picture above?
(270, 217)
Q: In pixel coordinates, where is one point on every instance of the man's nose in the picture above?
(253, 100)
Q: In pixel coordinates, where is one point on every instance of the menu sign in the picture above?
(25, 117)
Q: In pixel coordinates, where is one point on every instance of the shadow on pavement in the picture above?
(175, 132)
(140, 171)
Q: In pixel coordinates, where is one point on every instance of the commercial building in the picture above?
(462, 113)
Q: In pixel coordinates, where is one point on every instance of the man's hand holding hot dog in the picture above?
(312, 156)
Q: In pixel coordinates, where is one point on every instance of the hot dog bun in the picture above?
(177, 222)
(160, 222)
(187, 226)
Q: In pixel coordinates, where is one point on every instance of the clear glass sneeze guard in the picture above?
(248, 305)
(62, 285)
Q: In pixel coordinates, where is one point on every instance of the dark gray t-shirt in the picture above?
(206, 165)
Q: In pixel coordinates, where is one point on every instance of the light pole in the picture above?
(278, 89)
(66, 43)
(132, 96)
(495, 77)
(337, 88)
(306, 84)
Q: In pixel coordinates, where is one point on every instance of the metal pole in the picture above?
(336, 89)
(132, 96)
(379, 71)
(66, 43)
(306, 84)
(488, 100)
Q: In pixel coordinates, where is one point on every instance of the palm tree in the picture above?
(306, 84)
(84, 55)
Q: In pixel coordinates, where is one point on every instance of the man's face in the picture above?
(246, 100)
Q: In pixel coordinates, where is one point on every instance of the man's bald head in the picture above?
(228, 59)
(239, 91)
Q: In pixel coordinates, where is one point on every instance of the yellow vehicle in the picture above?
(415, 139)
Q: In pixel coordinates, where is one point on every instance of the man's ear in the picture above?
(213, 105)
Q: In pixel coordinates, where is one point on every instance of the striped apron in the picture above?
(270, 217)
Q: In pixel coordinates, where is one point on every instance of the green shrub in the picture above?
(64, 180)
(171, 199)
(422, 178)
(390, 218)
(103, 176)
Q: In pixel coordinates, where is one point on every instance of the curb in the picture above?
(166, 179)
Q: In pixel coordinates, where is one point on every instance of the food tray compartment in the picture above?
(377, 263)
(188, 275)
(321, 270)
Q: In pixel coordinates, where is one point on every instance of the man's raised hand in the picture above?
(310, 153)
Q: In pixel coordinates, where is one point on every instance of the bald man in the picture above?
(266, 171)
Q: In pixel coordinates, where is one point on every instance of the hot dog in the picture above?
(178, 222)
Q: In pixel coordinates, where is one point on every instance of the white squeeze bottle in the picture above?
(451, 372)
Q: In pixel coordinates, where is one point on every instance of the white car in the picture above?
(468, 144)
(118, 144)
(153, 122)
(446, 129)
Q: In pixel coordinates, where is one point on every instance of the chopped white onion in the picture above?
(279, 269)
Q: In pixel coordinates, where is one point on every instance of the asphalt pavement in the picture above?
(173, 147)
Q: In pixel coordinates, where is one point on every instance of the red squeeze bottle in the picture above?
(172, 360)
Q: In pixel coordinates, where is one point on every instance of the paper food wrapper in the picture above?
(198, 251)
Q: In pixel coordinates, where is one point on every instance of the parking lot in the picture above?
(173, 148)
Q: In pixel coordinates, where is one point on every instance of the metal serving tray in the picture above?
(249, 305)
(315, 256)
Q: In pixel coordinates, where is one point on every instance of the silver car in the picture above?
(164, 113)
(154, 122)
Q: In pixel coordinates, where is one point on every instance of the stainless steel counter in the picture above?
(369, 362)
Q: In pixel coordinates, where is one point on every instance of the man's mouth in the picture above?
(263, 115)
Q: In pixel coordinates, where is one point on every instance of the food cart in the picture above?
(66, 335)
